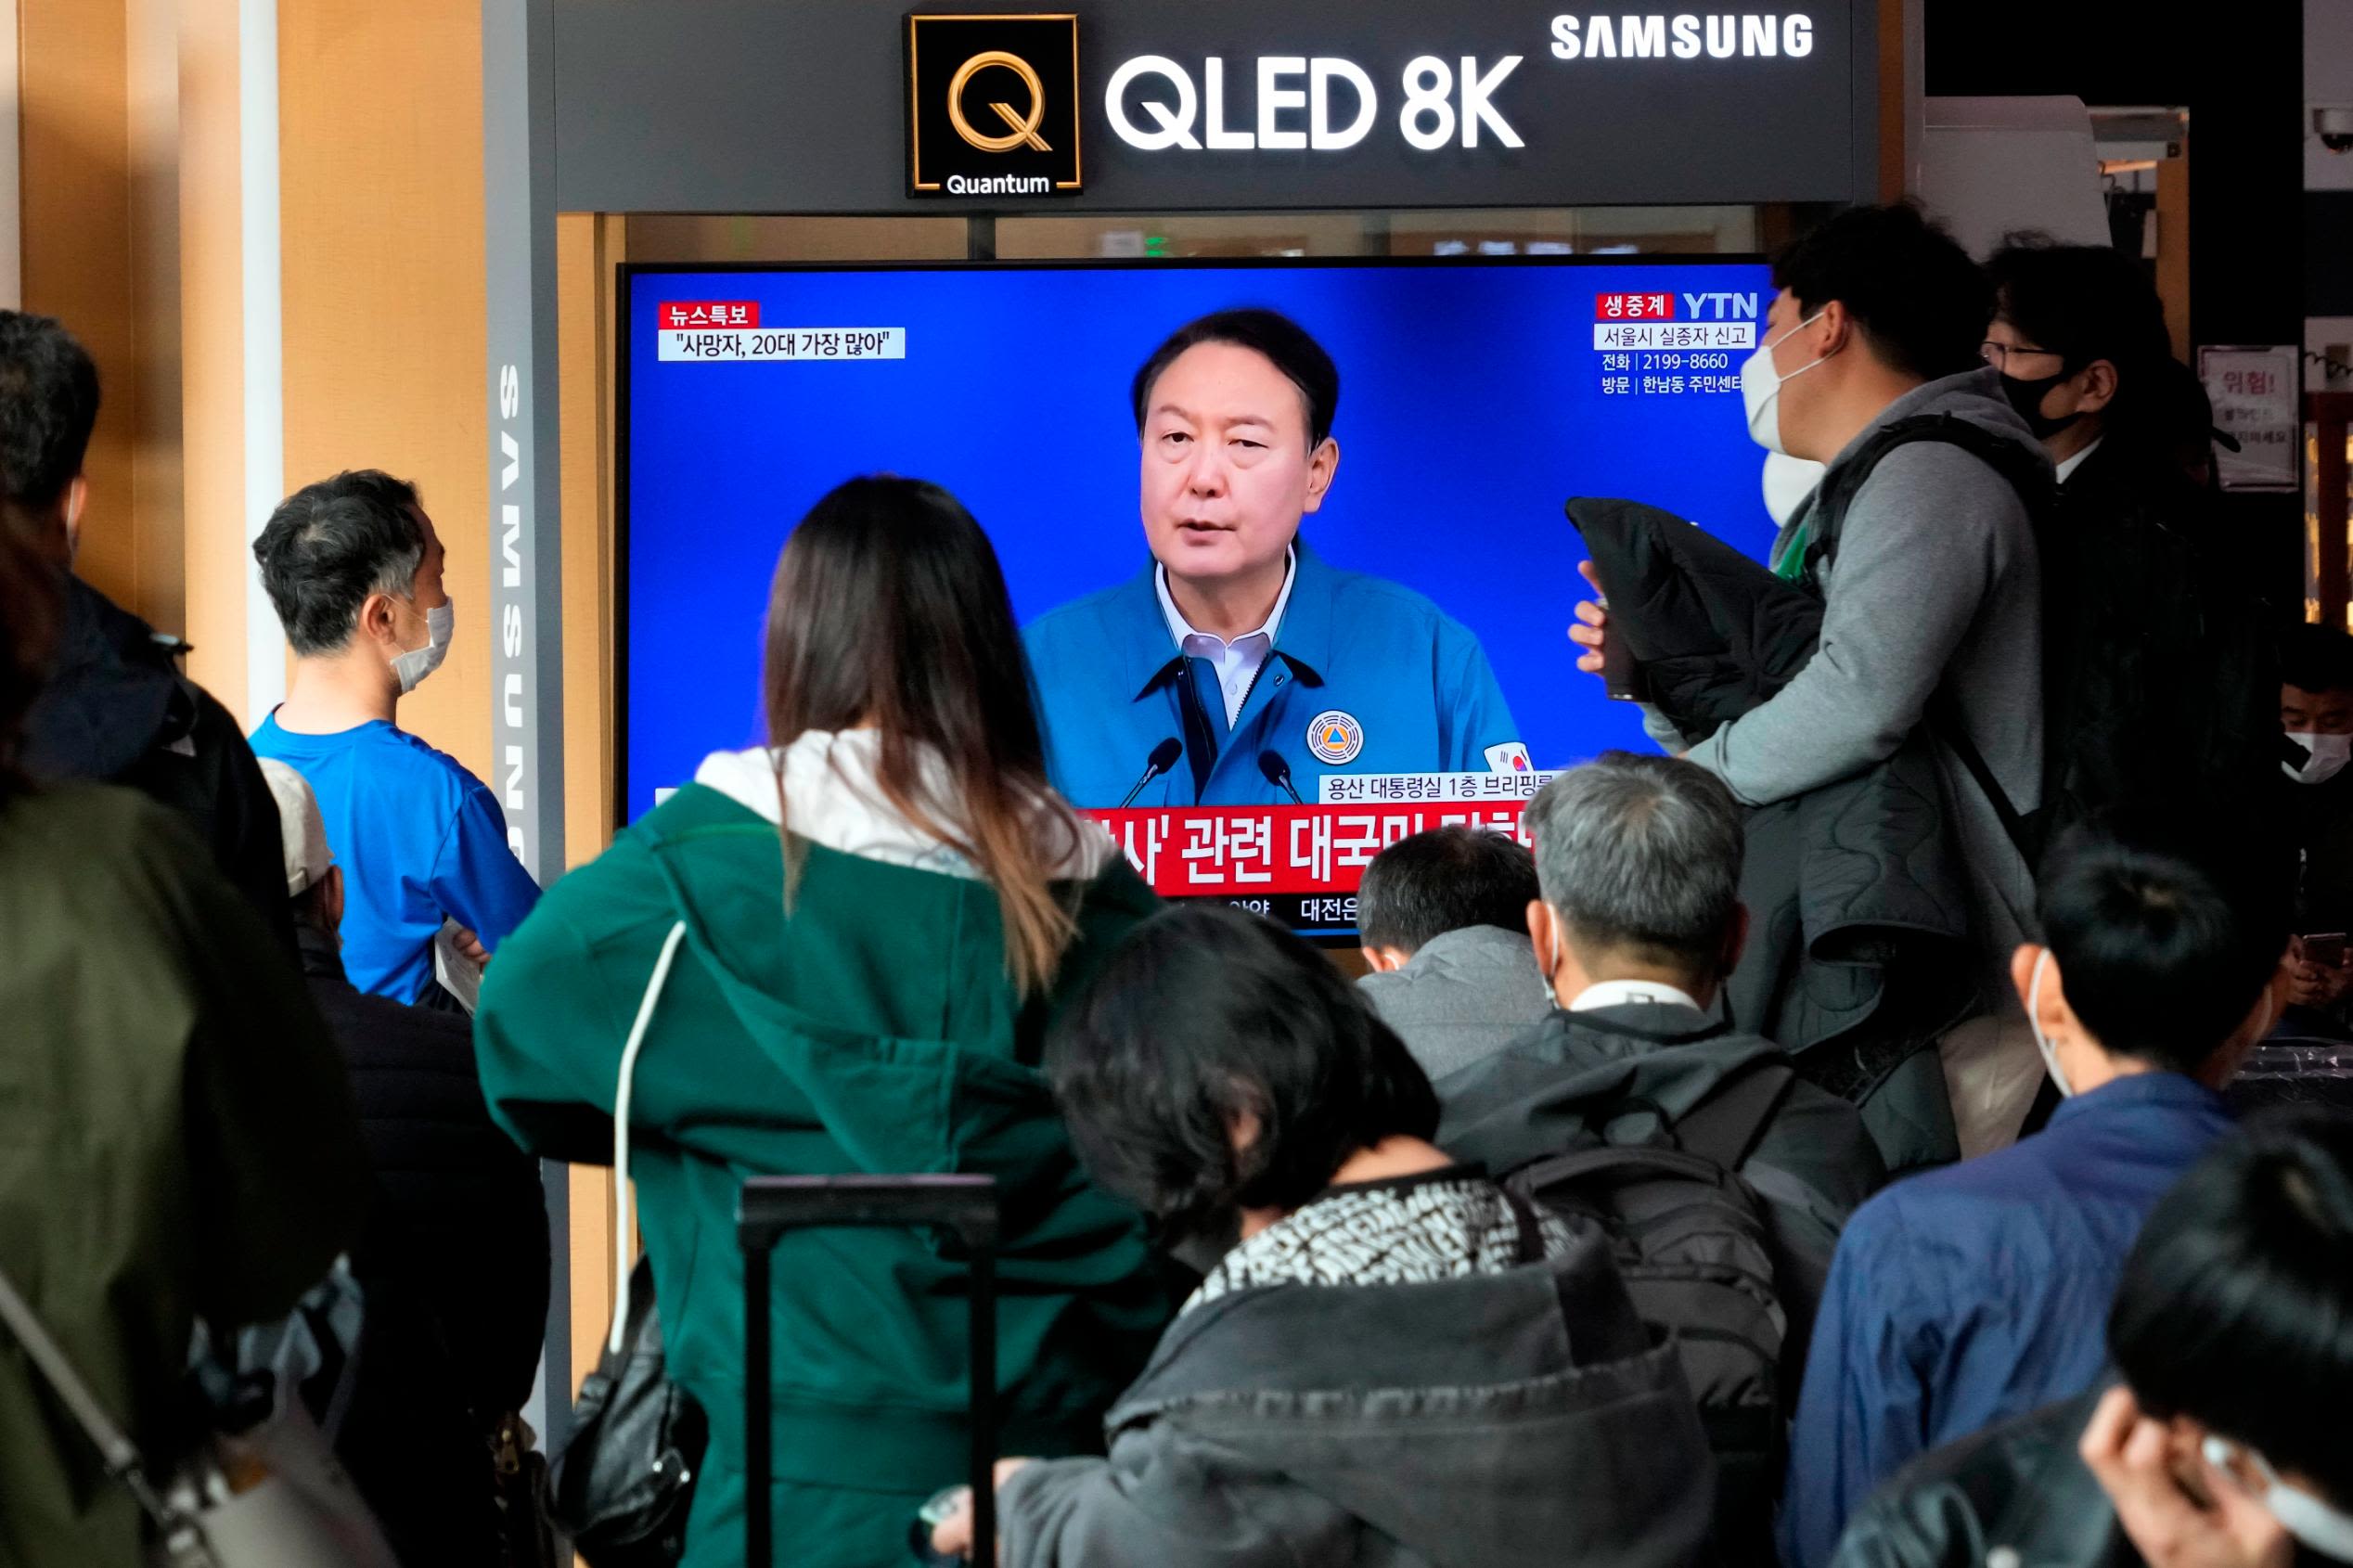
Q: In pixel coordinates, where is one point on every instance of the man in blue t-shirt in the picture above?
(354, 569)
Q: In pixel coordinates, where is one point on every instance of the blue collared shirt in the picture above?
(1971, 1294)
(1365, 676)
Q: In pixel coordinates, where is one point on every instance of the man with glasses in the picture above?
(2077, 334)
(2162, 683)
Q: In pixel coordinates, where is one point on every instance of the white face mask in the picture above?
(2311, 1521)
(412, 667)
(1761, 384)
(2330, 753)
(1788, 482)
(2034, 1021)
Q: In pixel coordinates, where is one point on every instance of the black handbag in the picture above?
(624, 1480)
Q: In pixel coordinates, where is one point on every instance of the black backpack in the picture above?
(2160, 673)
(1695, 1249)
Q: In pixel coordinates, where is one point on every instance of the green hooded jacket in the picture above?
(872, 1029)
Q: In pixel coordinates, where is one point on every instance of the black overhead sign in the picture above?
(992, 106)
(859, 107)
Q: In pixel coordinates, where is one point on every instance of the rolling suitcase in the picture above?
(769, 1207)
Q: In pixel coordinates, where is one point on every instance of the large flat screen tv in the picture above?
(1438, 573)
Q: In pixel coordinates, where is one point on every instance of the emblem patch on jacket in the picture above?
(1510, 757)
(1335, 738)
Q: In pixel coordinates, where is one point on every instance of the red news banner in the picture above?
(1203, 851)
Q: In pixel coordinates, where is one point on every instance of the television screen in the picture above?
(1419, 622)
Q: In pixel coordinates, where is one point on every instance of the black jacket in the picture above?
(455, 1265)
(1858, 955)
(1561, 1083)
(2167, 692)
(116, 710)
(2020, 1486)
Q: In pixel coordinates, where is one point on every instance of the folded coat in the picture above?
(1860, 957)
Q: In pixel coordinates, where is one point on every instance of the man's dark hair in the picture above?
(1922, 304)
(30, 610)
(1442, 879)
(2084, 302)
(1283, 341)
(2316, 658)
(330, 544)
(1640, 855)
(1204, 1014)
(49, 404)
(2165, 935)
(2236, 1303)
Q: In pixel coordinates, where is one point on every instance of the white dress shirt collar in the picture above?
(1621, 993)
(1238, 662)
(2068, 466)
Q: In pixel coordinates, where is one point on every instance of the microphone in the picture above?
(1277, 773)
(1163, 757)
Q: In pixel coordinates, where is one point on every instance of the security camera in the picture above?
(2334, 127)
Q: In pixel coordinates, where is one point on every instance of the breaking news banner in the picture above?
(1210, 852)
(692, 329)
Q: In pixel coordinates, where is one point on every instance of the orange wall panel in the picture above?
(379, 137)
(75, 220)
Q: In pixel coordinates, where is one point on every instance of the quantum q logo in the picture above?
(991, 105)
(1025, 125)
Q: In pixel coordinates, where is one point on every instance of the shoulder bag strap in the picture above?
(121, 1456)
(623, 1222)
(1725, 1126)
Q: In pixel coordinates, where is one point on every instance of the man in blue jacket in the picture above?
(1269, 667)
(1973, 1294)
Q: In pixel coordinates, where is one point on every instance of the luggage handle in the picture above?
(769, 1206)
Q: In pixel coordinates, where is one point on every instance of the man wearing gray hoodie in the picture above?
(1934, 593)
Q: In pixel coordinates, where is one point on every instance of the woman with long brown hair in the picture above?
(868, 923)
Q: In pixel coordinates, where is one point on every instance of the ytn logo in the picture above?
(1300, 104)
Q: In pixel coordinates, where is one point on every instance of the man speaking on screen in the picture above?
(1239, 668)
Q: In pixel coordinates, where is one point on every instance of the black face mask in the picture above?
(2026, 397)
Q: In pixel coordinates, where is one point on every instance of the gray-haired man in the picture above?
(1638, 864)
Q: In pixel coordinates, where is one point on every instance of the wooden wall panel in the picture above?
(217, 562)
(587, 248)
(379, 137)
(75, 206)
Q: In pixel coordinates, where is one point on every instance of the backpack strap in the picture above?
(1725, 1126)
(1531, 1229)
(2026, 474)
(1944, 722)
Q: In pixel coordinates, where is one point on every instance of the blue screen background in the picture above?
(1471, 407)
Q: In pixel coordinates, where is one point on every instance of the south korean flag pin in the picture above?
(1335, 738)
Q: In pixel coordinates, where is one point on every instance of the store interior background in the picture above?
(266, 219)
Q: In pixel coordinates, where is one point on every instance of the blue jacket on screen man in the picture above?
(1365, 676)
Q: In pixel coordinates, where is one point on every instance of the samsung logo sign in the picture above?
(1686, 37)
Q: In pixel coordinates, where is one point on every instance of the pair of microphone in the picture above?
(1165, 755)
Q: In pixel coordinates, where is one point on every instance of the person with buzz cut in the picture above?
(1271, 668)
